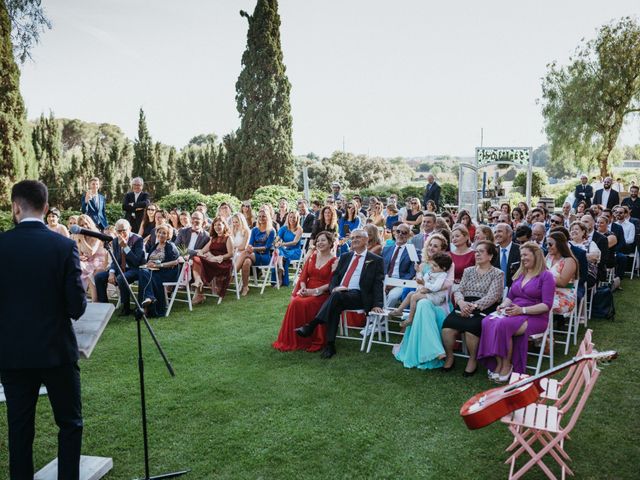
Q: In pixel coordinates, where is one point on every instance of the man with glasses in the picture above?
(427, 227)
(508, 259)
(128, 250)
(397, 263)
(356, 284)
(134, 204)
(193, 237)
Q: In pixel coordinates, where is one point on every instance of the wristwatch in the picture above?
(524, 310)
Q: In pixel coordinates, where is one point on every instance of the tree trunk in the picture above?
(610, 139)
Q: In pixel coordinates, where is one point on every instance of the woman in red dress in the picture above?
(310, 293)
(213, 262)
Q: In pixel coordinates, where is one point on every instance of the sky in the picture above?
(406, 78)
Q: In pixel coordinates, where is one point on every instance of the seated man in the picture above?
(356, 284)
(128, 250)
(397, 263)
(427, 228)
(193, 237)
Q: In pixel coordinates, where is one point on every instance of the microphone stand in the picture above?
(141, 317)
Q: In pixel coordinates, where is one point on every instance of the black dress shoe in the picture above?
(328, 352)
(469, 374)
(124, 312)
(304, 331)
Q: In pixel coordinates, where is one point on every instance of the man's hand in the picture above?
(112, 278)
(377, 310)
(339, 289)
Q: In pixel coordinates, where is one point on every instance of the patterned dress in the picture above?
(564, 300)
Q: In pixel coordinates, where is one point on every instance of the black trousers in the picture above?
(21, 389)
(331, 309)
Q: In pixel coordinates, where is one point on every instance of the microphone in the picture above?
(76, 230)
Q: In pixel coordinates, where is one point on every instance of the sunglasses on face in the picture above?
(402, 232)
(557, 222)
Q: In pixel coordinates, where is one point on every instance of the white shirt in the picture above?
(629, 231)
(135, 196)
(354, 283)
(32, 219)
(605, 196)
(396, 266)
(192, 242)
(508, 251)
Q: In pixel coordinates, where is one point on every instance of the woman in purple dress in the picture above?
(525, 311)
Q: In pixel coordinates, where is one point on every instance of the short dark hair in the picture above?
(30, 194)
(490, 246)
(442, 260)
(523, 231)
(563, 230)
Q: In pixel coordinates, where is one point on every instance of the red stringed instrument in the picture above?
(491, 405)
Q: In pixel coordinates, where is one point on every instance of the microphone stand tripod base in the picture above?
(165, 475)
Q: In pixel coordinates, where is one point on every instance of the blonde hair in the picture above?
(267, 213)
(242, 220)
(463, 230)
(88, 221)
(167, 227)
(539, 265)
(374, 234)
(290, 215)
(434, 236)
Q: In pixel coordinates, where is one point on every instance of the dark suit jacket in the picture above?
(40, 292)
(634, 206)
(583, 192)
(95, 208)
(136, 255)
(614, 198)
(307, 224)
(617, 230)
(583, 268)
(432, 193)
(134, 211)
(371, 279)
(603, 245)
(184, 237)
(513, 261)
(406, 269)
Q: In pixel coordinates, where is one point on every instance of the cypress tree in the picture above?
(262, 100)
(143, 149)
(47, 145)
(172, 170)
(13, 148)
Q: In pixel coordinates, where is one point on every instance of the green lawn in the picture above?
(239, 409)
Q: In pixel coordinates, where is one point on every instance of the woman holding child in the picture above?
(421, 346)
(480, 293)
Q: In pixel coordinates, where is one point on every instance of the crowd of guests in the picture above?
(546, 260)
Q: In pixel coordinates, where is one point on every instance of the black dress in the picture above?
(413, 217)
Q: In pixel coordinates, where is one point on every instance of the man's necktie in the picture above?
(123, 259)
(392, 263)
(352, 268)
(503, 264)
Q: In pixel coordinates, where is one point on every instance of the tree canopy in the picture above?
(586, 102)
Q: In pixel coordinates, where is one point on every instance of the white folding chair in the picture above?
(635, 265)
(184, 278)
(545, 338)
(296, 265)
(265, 270)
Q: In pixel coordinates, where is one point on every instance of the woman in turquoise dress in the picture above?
(347, 224)
(421, 345)
(289, 245)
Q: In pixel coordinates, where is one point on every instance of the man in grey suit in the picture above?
(426, 228)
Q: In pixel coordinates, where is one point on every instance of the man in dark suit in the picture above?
(306, 217)
(632, 202)
(583, 191)
(607, 196)
(193, 237)
(37, 343)
(356, 284)
(397, 263)
(128, 250)
(601, 242)
(134, 204)
(431, 192)
(94, 204)
(508, 259)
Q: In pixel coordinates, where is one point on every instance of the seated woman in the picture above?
(602, 226)
(212, 263)
(163, 265)
(283, 210)
(392, 216)
(71, 221)
(483, 233)
(161, 217)
(327, 222)
(93, 256)
(53, 219)
(431, 206)
(414, 215)
(245, 209)
(347, 224)
(462, 256)
(174, 219)
(421, 346)
(505, 335)
(289, 245)
(465, 219)
(148, 221)
(376, 216)
(580, 238)
(240, 233)
(517, 218)
(310, 293)
(374, 242)
(480, 292)
(258, 251)
(564, 267)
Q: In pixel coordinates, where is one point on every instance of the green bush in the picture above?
(186, 199)
(560, 191)
(538, 182)
(114, 212)
(6, 221)
(272, 194)
(448, 194)
(381, 191)
(412, 191)
(216, 199)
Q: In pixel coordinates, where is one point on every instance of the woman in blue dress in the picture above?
(259, 249)
(347, 224)
(421, 345)
(289, 245)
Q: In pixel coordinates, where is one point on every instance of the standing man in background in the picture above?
(583, 191)
(431, 192)
(37, 343)
(134, 204)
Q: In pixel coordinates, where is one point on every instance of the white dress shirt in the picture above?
(605, 196)
(629, 230)
(354, 282)
(396, 266)
(192, 242)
